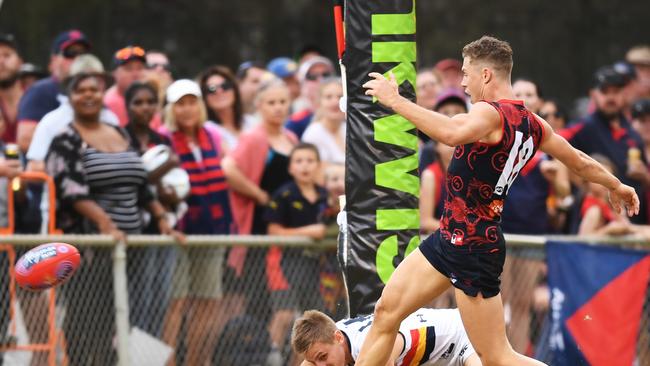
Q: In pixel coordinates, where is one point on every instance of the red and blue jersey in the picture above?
(208, 203)
(480, 175)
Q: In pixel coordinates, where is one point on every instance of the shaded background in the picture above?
(557, 44)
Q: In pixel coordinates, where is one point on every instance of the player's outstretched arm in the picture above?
(482, 120)
(623, 197)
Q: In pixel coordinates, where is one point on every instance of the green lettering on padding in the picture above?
(387, 250)
(394, 130)
(398, 219)
(404, 53)
(413, 244)
(395, 175)
(383, 24)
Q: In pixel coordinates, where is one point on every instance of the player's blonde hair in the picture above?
(494, 51)
(313, 326)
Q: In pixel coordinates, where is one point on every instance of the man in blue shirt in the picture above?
(44, 96)
(606, 131)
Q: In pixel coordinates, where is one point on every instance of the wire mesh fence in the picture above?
(194, 305)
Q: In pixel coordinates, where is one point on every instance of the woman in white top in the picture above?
(327, 131)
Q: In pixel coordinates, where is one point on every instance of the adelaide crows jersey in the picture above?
(431, 337)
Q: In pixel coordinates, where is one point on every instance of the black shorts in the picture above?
(471, 271)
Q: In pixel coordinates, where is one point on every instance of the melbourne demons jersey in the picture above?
(480, 174)
(431, 337)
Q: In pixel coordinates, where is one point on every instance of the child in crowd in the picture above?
(334, 178)
(332, 288)
(597, 215)
(296, 209)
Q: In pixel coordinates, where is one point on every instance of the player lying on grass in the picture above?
(426, 337)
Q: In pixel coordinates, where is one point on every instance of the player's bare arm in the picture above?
(482, 123)
(623, 197)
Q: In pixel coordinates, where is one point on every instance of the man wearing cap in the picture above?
(606, 131)
(286, 68)
(639, 56)
(632, 89)
(10, 89)
(450, 72)
(57, 120)
(130, 64)
(641, 124)
(310, 74)
(44, 96)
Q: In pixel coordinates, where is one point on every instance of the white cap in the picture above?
(307, 65)
(181, 88)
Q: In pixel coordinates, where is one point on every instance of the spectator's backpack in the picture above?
(244, 341)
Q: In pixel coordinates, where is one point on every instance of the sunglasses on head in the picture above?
(165, 67)
(314, 77)
(73, 52)
(225, 86)
(129, 52)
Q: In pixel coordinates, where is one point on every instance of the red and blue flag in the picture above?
(597, 300)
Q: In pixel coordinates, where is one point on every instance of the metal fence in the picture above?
(156, 303)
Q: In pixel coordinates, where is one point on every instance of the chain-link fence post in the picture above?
(121, 303)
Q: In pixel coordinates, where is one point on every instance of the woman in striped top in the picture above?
(101, 188)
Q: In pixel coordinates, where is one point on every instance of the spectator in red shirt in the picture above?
(10, 88)
(130, 64)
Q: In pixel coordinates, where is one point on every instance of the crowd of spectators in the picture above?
(260, 150)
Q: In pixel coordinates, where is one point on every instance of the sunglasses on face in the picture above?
(73, 52)
(314, 77)
(165, 67)
(127, 53)
(225, 86)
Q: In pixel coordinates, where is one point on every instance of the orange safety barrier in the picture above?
(50, 345)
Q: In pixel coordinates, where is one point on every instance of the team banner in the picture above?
(382, 184)
(597, 297)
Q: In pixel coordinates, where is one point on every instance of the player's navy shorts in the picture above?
(472, 271)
